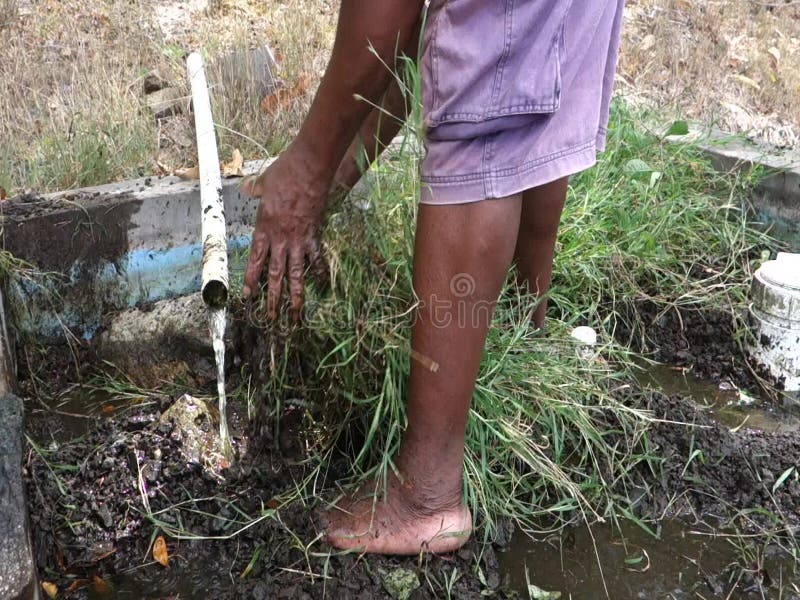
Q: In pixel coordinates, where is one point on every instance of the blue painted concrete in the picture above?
(141, 275)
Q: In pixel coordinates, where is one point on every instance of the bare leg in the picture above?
(461, 257)
(536, 240)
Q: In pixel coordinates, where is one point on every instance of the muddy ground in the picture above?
(92, 535)
(89, 523)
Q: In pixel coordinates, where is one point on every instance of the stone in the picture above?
(166, 102)
(195, 429)
(248, 71)
(17, 571)
(154, 81)
(160, 341)
(400, 583)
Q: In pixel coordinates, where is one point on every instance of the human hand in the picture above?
(293, 196)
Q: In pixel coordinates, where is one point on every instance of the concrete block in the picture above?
(152, 343)
(248, 71)
(112, 247)
(166, 102)
(776, 200)
(17, 571)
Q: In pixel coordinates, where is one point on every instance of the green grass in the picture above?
(551, 436)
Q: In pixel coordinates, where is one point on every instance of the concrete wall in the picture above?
(776, 200)
(114, 246)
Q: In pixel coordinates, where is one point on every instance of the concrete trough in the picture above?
(112, 247)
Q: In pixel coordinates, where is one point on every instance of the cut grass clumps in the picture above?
(550, 433)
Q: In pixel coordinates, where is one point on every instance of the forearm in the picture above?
(354, 70)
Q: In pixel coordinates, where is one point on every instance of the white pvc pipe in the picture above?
(215, 251)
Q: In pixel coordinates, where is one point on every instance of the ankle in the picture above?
(426, 498)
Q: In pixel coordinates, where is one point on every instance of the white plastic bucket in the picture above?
(775, 318)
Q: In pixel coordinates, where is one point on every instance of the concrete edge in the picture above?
(776, 199)
(119, 245)
(115, 246)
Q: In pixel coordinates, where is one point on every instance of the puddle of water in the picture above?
(684, 563)
(726, 405)
(78, 411)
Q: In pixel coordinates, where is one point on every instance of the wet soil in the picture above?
(99, 501)
(705, 341)
(709, 469)
(87, 501)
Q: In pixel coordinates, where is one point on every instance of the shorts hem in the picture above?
(502, 183)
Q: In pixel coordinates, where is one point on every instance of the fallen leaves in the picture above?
(3, 194)
(50, 588)
(776, 57)
(188, 173)
(100, 586)
(281, 98)
(160, 554)
(228, 169)
(747, 81)
(234, 167)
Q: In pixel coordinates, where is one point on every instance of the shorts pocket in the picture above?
(491, 66)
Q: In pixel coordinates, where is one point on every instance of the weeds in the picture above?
(549, 436)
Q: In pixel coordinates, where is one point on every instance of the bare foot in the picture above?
(393, 524)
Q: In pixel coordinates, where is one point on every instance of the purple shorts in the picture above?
(515, 93)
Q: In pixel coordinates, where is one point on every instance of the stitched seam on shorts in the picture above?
(435, 54)
(501, 62)
(487, 158)
(510, 171)
(497, 112)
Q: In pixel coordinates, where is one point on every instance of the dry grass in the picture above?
(76, 112)
(73, 111)
(70, 113)
(732, 62)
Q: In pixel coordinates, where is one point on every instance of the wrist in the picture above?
(315, 167)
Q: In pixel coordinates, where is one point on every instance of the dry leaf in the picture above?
(3, 195)
(189, 173)
(77, 584)
(50, 589)
(282, 97)
(160, 552)
(234, 168)
(108, 408)
(776, 56)
(100, 586)
(648, 42)
(747, 81)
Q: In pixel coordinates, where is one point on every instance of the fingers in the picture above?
(252, 186)
(258, 254)
(297, 261)
(317, 265)
(277, 270)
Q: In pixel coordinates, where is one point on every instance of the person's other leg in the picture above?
(461, 257)
(378, 129)
(536, 240)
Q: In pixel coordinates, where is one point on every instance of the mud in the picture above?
(705, 341)
(99, 501)
(709, 469)
(54, 233)
(87, 504)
